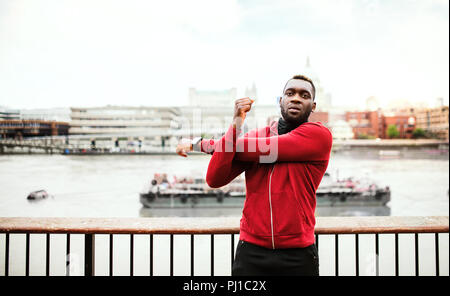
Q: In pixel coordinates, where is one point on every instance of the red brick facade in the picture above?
(365, 124)
(373, 124)
(405, 125)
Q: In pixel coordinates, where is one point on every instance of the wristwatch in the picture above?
(194, 144)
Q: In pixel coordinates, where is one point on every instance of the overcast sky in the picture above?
(92, 53)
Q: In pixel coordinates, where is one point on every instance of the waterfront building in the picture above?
(206, 121)
(216, 108)
(19, 129)
(125, 126)
(341, 130)
(50, 114)
(210, 113)
(18, 124)
(365, 124)
(405, 125)
(9, 114)
(434, 120)
(213, 121)
(122, 127)
(374, 124)
(122, 120)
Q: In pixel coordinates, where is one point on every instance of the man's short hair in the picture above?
(303, 77)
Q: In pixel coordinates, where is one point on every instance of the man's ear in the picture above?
(279, 100)
(313, 107)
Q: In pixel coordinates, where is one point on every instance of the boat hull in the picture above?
(150, 200)
(211, 200)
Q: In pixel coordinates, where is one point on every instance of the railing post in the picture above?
(357, 253)
(416, 252)
(336, 258)
(151, 254)
(27, 255)
(111, 254)
(212, 254)
(396, 256)
(89, 254)
(47, 255)
(7, 255)
(192, 255)
(436, 250)
(171, 254)
(131, 254)
(377, 255)
(68, 254)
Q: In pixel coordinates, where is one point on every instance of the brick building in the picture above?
(365, 123)
(434, 120)
(32, 128)
(373, 124)
(405, 125)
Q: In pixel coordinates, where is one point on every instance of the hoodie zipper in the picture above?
(270, 205)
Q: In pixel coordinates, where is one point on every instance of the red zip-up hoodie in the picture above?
(282, 174)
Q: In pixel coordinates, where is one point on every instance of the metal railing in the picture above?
(325, 226)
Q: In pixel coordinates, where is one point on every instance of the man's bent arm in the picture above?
(223, 168)
(308, 142)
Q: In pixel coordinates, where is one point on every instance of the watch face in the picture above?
(196, 140)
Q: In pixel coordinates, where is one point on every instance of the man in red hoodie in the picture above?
(283, 164)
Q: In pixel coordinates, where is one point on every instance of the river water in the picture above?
(109, 186)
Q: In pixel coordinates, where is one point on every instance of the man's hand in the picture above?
(241, 107)
(183, 147)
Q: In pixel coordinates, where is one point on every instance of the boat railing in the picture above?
(347, 245)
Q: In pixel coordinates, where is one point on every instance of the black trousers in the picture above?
(253, 260)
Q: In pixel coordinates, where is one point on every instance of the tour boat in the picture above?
(186, 191)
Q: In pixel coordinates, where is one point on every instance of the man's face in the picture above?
(297, 101)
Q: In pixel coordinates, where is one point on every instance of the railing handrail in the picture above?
(218, 225)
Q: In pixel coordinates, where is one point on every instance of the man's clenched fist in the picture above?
(241, 107)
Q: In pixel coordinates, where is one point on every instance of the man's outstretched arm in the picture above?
(222, 176)
(186, 145)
